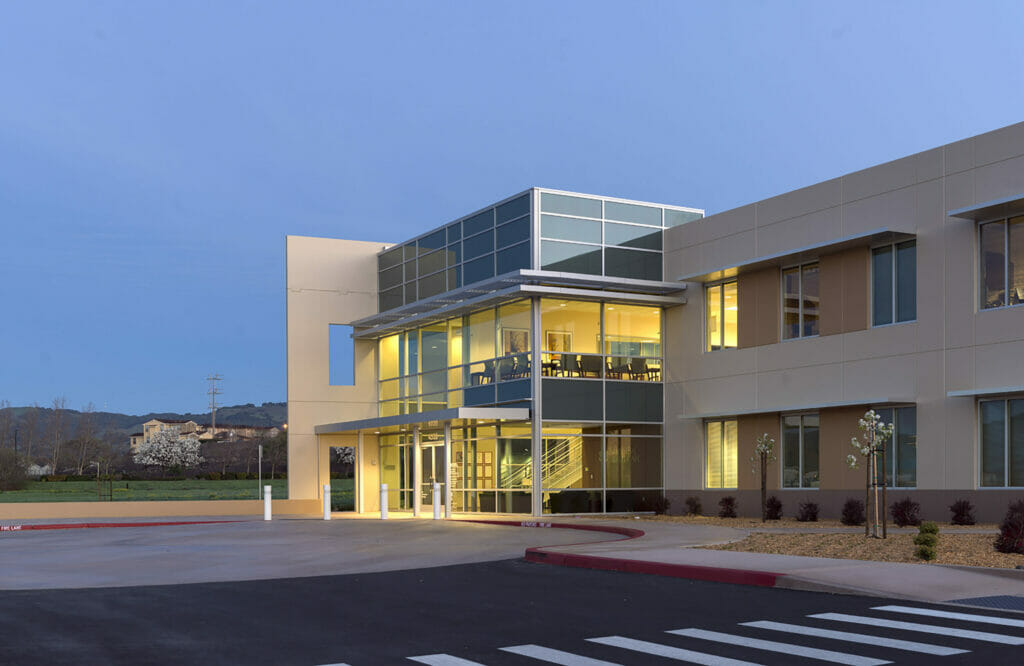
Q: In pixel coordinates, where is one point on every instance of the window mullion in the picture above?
(721, 317)
(895, 286)
(1006, 443)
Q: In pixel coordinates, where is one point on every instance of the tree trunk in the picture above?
(867, 495)
(764, 484)
(885, 503)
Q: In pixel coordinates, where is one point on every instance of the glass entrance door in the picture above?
(432, 470)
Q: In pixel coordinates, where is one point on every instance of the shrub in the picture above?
(660, 505)
(928, 527)
(963, 512)
(727, 507)
(693, 507)
(12, 473)
(853, 512)
(213, 476)
(926, 553)
(926, 539)
(905, 512)
(1011, 530)
(808, 512)
(773, 508)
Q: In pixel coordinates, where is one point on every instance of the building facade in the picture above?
(567, 353)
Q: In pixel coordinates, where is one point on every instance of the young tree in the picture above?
(275, 450)
(876, 434)
(166, 449)
(12, 470)
(57, 430)
(6, 422)
(29, 425)
(764, 455)
(86, 436)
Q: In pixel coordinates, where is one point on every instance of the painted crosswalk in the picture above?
(695, 645)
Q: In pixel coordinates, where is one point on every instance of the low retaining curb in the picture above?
(80, 526)
(694, 572)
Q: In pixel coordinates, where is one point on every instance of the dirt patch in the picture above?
(756, 524)
(973, 550)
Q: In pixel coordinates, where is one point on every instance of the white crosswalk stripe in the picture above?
(669, 651)
(444, 660)
(555, 656)
(785, 648)
(949, 615)
(924, 628)
(865, 639)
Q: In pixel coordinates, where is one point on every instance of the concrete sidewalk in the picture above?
(667, 549)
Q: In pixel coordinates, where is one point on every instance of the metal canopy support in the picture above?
(447, 470)
(417, 472)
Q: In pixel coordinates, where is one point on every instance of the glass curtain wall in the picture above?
(396, 466)
(483, 358)
(492, 470)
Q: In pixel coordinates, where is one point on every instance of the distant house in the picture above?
(153, 426)
(36, 471)
(233, 432)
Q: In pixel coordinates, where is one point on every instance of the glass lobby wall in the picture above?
(492, 468)
(628, 348)
(483, 358)
(593, 467)
(396, 470)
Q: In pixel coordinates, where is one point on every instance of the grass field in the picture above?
(342, 497)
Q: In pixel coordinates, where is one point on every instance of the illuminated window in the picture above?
(721, 462)
(722, 316)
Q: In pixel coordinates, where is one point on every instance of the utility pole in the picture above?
(213, 393)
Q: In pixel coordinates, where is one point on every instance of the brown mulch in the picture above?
(756, 524)
(973, 550)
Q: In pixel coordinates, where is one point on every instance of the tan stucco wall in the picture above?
(41, 510)
(329, 282)
(952, 346)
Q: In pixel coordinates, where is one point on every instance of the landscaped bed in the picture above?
(973, 550)
(791, 523)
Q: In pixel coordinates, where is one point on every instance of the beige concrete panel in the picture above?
(768, 296)
(999, 365)
(894, 210)
(930, 164)
(856, 288)
(721, 395)
(799, 353)
(956, 449)
(881, 341)
(686, 261)
(875, 378)
(800, 202)
(749, 428)
(960, 283)
(785, 389)
(686, 235)
(999, 325)
(831, 285)
(959, 156)
(1001, 144)
(730, 251)
(332, 264)
(684, 453)
(931, 290)
(722, 363)
(837, 427)
(878, 179)
(1002, 179)
(929, 210)
(815, 228)
(369, 467)
(959, 190)
(724, 224)
(959, 369)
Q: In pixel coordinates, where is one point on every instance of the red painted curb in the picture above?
(691, 571)
(79, 526)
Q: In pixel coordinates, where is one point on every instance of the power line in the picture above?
(213, 393)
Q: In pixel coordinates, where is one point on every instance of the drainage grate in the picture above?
(1002, 602)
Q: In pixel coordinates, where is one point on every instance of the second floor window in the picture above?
(1002, 263)
(894, 283)
(800, 301)
(722, 315)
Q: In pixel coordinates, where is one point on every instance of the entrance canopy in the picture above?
(433, 418)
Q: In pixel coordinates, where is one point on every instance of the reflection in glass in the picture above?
(570, 228)
(624, 212)
(906, 281)
(791, 303)
(570, 257)
(628, 235)
(993, 264)
(810, 298)
(791, 452)
(566, 205)
(572, 461)
(881, 285)
(632, 264)
(993, 442)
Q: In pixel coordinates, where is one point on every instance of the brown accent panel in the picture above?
(844, 291)
(749, 429)
(837, 427)
(758, 296)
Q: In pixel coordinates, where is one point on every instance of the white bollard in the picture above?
(327, 501)
(437, 501)
(383, 501)
(267, 490)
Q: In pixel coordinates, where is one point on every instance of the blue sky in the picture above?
(153, 155)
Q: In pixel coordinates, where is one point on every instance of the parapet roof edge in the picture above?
(797, 408)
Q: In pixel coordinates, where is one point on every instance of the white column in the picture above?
(436, 496)
(383, 501)
(359, 473)
(417, 472)
(535, 410)
(267, 491)
(327, 501)
(448, 470)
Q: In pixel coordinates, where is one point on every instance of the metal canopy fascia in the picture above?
(797, 255)
(435, 417)
(995, 208)
(797, 408)
(970, 393)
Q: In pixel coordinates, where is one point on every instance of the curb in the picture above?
(80, 526)
(539, 555)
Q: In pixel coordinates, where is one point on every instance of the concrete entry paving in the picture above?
(256, 550)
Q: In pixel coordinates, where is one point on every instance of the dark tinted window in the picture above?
(570, 257)
(478, 223)
(632, 264)
(513, 232)
(570, 400)
(478, 269)
(434, 241)
(454, 232)
(631, 401)
(514, 258)
(513, 209)
(390, 258)
(477, 245)
(390, 299)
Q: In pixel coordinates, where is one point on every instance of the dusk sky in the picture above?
(153, 155)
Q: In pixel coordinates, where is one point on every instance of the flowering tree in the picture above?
(167, 449)
(876, 434)
(764, 455)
